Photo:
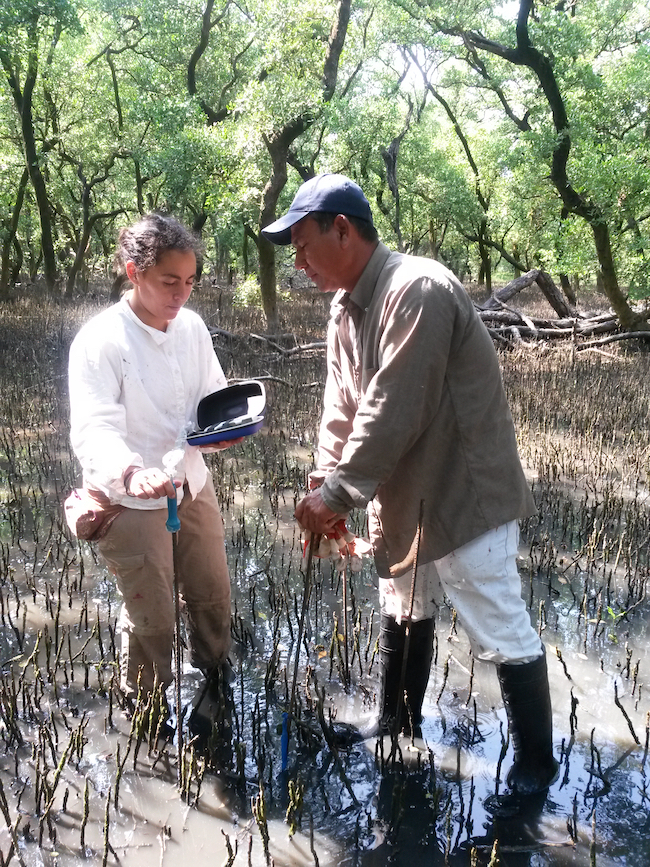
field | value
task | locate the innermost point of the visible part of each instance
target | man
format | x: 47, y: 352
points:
x: 416, y: 428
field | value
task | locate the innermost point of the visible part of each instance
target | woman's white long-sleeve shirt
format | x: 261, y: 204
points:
x: 134, y: 392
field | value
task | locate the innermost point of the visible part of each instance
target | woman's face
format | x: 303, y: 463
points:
x: 159, y: 292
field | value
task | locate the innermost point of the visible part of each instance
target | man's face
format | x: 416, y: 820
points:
x: 318, y: 254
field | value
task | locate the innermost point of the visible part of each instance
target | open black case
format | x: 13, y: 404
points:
x: 232, y: 412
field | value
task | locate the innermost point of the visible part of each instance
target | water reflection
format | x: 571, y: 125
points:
x: 356, y: 806
x: 79, y: 789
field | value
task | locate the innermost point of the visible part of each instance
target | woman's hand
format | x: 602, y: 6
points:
x: 219, y: 447
x: 151, y: 484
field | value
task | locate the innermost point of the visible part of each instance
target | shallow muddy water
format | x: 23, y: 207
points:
x: 78, y: 787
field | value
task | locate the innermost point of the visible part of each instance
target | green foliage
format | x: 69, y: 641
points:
x: 26, y: 16
x: 117, y: 129
x: 247, y: 293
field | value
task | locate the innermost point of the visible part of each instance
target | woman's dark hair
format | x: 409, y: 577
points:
x: 146, y: 241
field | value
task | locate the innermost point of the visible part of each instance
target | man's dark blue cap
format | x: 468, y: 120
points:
x: 329, y: 194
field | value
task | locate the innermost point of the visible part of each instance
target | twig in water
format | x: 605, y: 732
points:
x: 618, y: 704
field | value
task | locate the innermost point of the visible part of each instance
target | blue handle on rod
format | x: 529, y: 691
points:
x: 173, y: 523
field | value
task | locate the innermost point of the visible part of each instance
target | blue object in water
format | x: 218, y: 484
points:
x: 173, y: 523
x: 284, y: 741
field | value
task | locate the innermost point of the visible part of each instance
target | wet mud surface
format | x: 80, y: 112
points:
x: 81, y: 784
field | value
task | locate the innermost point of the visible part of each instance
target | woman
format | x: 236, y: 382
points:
x: 137, y: 372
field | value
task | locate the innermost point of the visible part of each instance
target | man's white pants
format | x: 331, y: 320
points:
x: 482, y: 583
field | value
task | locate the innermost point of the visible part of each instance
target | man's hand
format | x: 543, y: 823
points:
x: 312, y: 514
x: 151, y: 484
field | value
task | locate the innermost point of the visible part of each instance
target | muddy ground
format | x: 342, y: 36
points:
x: 80, y: 785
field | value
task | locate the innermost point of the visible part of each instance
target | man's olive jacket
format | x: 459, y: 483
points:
x: 415, y: 414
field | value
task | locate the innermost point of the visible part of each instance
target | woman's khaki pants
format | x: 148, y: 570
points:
x: 138, y: 551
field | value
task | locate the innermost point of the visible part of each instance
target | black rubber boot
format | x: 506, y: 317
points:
x: 149, y: 716
x: 530, y: 722
x: 392, y: 711
x: 405, y: 711
x: 210, y: 722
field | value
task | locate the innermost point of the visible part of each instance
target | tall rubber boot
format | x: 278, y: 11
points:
x: 210, y: 722
x: 392, y: 646
x: 530, y: 722
x: 418, y: 669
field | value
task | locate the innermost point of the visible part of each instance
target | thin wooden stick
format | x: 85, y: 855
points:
x: 345, y: 625
x: 178, y: 664
x: 314, y: 542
